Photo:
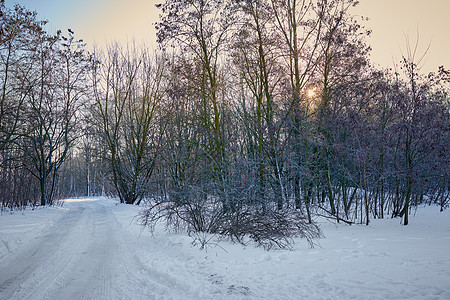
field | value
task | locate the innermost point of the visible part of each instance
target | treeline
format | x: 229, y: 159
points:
x: 253, y: 114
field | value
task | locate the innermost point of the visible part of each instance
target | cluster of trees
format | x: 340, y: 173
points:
x: 42, y: 86
x: 253, y: 115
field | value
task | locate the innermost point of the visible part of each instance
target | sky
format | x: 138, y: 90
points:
x: 100, y: 21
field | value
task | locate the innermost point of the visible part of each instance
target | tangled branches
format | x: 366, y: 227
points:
x: 268, y: 228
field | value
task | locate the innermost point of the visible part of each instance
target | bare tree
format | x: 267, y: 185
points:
x: 19, y: 32
x: 56, y: 91
x: 200, y: 29
x: 127, y: 87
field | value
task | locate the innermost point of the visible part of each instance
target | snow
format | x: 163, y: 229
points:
x: 94, y: 249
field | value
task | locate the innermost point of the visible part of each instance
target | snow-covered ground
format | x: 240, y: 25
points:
x: 93, y: 249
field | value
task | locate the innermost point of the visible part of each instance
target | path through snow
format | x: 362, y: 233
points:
x: 85, y: 254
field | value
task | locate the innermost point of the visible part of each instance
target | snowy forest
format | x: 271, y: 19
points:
x: 250, y: 119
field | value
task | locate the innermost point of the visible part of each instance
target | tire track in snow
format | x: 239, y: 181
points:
x: 24, y: 274
x: 90, y: 274
x: 72, y: 260
x: 88, y: 254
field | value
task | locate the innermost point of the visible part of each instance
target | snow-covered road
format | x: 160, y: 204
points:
x: 84, y: 254
x: 73, y: 259
x: 93, y: 249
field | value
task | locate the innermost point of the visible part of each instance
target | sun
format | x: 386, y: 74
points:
x: 311, y: 92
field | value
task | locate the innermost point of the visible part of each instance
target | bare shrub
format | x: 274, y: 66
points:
x: 269, y: 228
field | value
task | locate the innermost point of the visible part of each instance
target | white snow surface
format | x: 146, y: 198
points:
x: 94, y: 249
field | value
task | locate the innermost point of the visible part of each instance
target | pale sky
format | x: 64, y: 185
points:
x: 391, y: 20
x: 99, y: 21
